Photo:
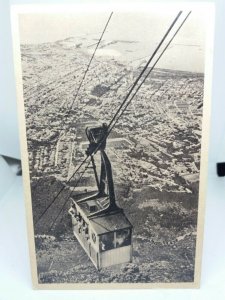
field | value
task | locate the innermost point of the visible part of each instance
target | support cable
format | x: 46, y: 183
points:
x: 149, y: 72
x: 67, y: 199
x: 145, y: 68
x: 85, y: 73
x: 60, y: 191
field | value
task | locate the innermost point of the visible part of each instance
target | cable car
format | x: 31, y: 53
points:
x: 99, y: 224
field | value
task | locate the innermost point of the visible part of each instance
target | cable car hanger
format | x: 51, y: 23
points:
x: 98, y: 145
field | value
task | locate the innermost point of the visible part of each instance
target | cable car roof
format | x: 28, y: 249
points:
x: 109, y: 223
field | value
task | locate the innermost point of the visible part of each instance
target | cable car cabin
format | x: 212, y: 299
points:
x: 99, y: 225
x: 106, y: 239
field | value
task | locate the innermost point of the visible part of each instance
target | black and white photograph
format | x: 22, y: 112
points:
x: 112, y: 119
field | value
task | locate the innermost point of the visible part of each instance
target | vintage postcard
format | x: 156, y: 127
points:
x: 114, y: 106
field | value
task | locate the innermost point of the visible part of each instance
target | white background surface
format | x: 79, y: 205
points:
x: 15, y: 279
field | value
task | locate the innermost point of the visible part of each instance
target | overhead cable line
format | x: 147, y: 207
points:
x: 85, y: 73
x: 145, y: 68
x: 60, y: 191
x: 67, y: 199
x: 149, y: 72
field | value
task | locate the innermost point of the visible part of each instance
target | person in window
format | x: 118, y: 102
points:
x: 78, y: 217
x: 86, y: 234
x: 107, y: 241
x: 102, y: 246
x: 93, y: 236
x: 79, y: 223
x: 122, y: 238
x: 85, y: 230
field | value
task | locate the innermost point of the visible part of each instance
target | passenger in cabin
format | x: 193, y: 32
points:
x: 85, y: 229
x: 86, y: 234
x: 72, y: 211
x: 122, y: 238
x: 93, y: 236
x: 102, y: 246
x: 78, y: 217
x: 73, y: 206
x: 107, y: 241
x: 119, y: 241
x: 79, y: 223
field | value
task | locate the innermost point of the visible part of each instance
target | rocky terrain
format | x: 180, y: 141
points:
x: 154, y: 150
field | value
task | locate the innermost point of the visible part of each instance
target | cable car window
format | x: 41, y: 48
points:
x: 123, y: 238
x: 106, y: 241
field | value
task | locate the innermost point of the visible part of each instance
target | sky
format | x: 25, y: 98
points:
x: 145, y: 28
